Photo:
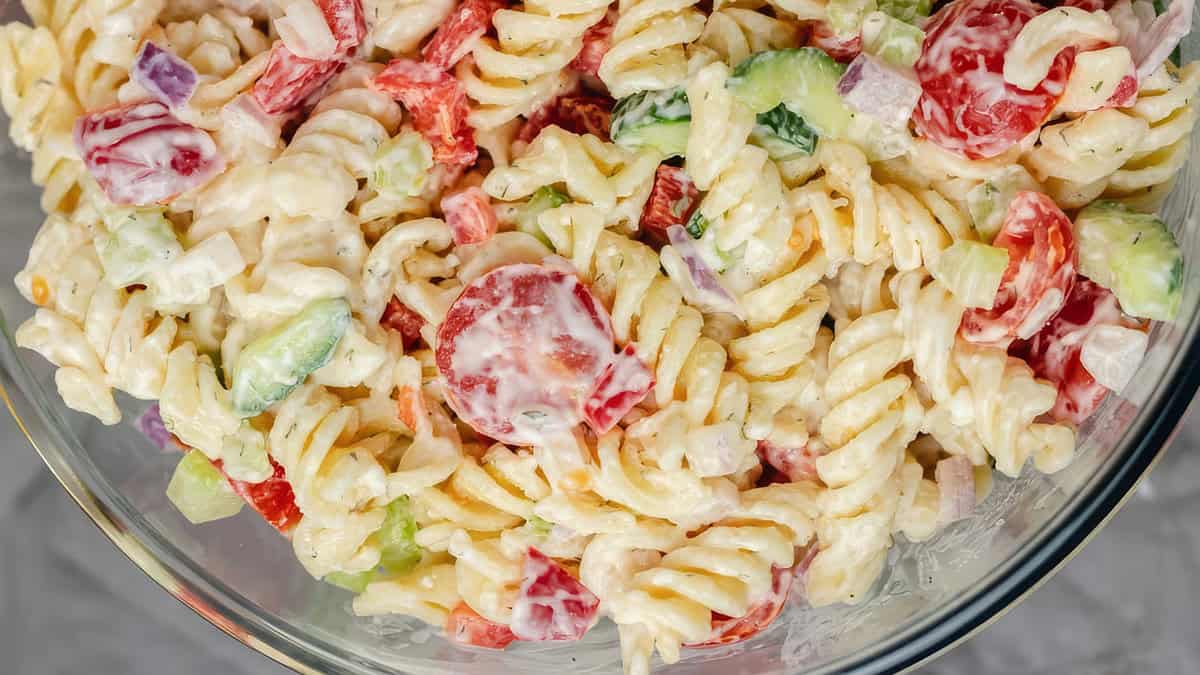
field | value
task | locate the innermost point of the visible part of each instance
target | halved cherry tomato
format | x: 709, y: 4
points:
x: 140, y: 154
x: 966, y: 107
x: 1041, y: 269
x: 727, y: 630
x: 273, y: 498
x: 438, y: 105
x: 470, y: 215
x: 793, y: 463
x: 466, y: 627
x: 672, y: 200
x: 289, y: 79
x: 398, y: 317
x: 346, y: 22
x: 459, y: 32
x: 843, y: 50
x: 622, y: 385
x: 1054, y: 353
x: 520, y: 350
x: 552, y: 604
x: 596, y: 42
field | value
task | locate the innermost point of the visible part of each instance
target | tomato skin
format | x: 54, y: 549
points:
x: 575, y: 113
x: 1055, y: 352
x: 289, y: 79
x: 596, y: 42
x: 459, y: 32
x: 1125, y: 94
x: 140, y: 154
x: 966, y: 107
x: 841, y: 49
x: 346, y: 21
x: 470, y: 215
x: 465, y: 626
x: 438, y: 105
x: 622, y: 385
x: 795, y: 464
x: 728, y: 630
x: 672, y: 200
x: 1039, y: 276
x: 398, y: 317
x: 520, y: 350
x: 273, y: 498
x: 552, y: 605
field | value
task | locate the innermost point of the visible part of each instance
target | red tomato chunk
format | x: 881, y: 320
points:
x: 1040, y: 272
x: 438, y: 105
x: 346, y: 22
x: 1055, y: 352
x: 672, y: 200
x: 289, y: 79
x: 596, y: 42
x: 577, y: 114
x: 727, y: 630
x: 966, y: 107
x: 466, y: 627
x: 470, y: 215
x: 843, y: 50
x: 520, y: 350
x: 457, y: 35
x: 552, y: 604
x: 622, y: 385
x: 140, y: 154
x: 272, y: 498
x: 794, y: 463
x: 399, y: 317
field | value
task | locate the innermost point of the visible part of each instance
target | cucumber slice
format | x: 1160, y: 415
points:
x: 401, y: 165
x: 891, y: 39
x: 544, y: 199
x: 697, y: 225
x: 987, y: 203
x: 200, y: 492
x: 846, y: 16
x: 655, y: 119
x: 139, y: 241
x: 972, y: 272
x: 783, y: 134
x: 397, y: 538
x: 804, y: 79
x: 270, y: 367
x: 1133, y: 255
x: 908, y: 11
x: 355, y: 583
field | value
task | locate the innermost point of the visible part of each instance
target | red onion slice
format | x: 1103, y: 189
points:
x: 872, y: 87
x: 705, y: 291
x: 1150, y: 38
x: 167, y: 77
x: 956, y: 485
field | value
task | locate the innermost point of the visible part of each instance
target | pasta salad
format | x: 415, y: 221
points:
x: 516, y: 316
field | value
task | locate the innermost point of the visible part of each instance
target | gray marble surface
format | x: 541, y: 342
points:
x: 72, y: 604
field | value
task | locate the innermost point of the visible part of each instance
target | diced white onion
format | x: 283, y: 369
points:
x: 1112, y: 354
x: 872, y: 87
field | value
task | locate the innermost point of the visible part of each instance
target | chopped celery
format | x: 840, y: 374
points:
x: 396, y: 538
x: 988, y: 202
x: 908, y: 11
x: 138, y: 242
x: 891, y: 39
x: 846, y: 16
x: 539, y: 526
x: 546, y: 198
x: 972, y: 271
x: 401, y: 165
x: 355, y: 583
x: 200, y: 492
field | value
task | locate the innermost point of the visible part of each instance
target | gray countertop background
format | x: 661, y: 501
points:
x: 70, y: 603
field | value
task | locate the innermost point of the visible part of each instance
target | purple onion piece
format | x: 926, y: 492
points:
x: 956, y: 485
x: 152, y: 427
x: 1151, y: 39
x: 708, y: 293
x: 167, y: 77
x: 874, y: 88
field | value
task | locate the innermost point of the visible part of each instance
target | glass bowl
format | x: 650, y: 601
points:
x: 241, y: 576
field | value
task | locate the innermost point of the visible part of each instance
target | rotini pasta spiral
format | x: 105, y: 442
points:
x: 341, y: 489
x: 615, y: 180
x: 648, y: 41
x: 194, y: 405
x: 318, y: 172
x: 402, y: 263
x: 488, y: 578
x: 524, y: 67
x: 91, y: 80
x: 42, y: 111
x: 429, y: 592
x: 732, y: 34
x: 493, y: 493
x: 726, y: 568
x: 399, y: 26
x: 119, y: 26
